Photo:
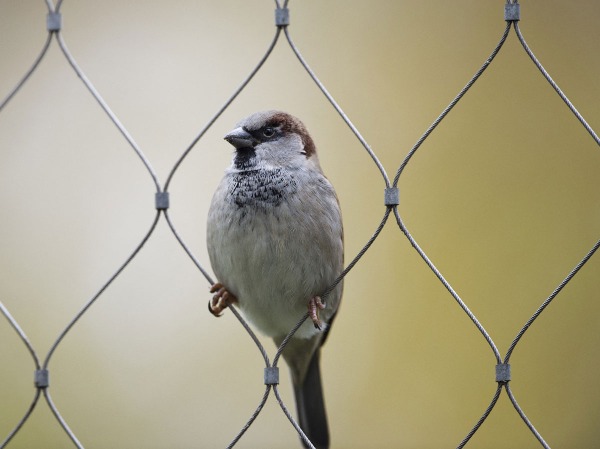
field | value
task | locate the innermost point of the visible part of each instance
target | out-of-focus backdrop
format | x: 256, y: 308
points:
x: 503, y: 197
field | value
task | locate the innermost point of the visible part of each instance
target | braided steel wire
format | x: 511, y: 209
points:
x: 162, y: 206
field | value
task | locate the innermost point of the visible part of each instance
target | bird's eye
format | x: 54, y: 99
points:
x: 268, y: 132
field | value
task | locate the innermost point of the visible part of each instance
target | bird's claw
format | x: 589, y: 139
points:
x: 220, y: 300
x: 314, y: 305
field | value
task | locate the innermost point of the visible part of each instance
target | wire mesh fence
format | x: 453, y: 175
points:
x: 390, y: 206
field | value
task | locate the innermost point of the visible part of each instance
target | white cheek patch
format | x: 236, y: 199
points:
x: 287, y: 151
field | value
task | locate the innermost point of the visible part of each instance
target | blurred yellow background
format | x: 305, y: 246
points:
x: 503, y: 197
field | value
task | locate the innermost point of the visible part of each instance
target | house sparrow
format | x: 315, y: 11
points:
x: 275, y: 242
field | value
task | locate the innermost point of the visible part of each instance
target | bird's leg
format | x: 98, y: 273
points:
x: 314, y: 305
x: 220, y: 300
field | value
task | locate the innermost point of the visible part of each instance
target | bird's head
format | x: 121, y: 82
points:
x: 272, y: 139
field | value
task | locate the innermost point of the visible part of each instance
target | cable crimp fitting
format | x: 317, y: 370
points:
x: 272, y: 375
x: 282, y: 17
x: 161, y: 200
x: 512, y: 12
x: 53, y: 21
x: 41, y: 378
x: 503, y: 373
x: 391, y: 196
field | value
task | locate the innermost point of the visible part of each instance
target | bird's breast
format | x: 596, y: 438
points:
x: 260, y: 189
x: 268, y: 243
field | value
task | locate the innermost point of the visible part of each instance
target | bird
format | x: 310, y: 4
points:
x: 275, y: 242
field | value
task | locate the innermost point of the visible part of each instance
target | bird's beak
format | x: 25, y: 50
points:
x: 240, y: 138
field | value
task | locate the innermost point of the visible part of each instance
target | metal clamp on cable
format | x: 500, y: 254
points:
x: 161, y: 200
x: 512, y: 12
x: 41, y: 378
x: 391, y: 196
x: 282, y: 17
x: 272, y: 375
x: 503, y: 373
x: 53, y: 21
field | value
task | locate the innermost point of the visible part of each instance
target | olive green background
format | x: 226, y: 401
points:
x: 503, y: 197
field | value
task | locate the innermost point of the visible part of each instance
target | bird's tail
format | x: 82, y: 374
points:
x: 311, y: 405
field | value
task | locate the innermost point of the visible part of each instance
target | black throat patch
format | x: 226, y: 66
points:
x: 244, y: 158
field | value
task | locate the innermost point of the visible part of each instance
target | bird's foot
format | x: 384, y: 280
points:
x: 220, y: 300
x: 314, y: 305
